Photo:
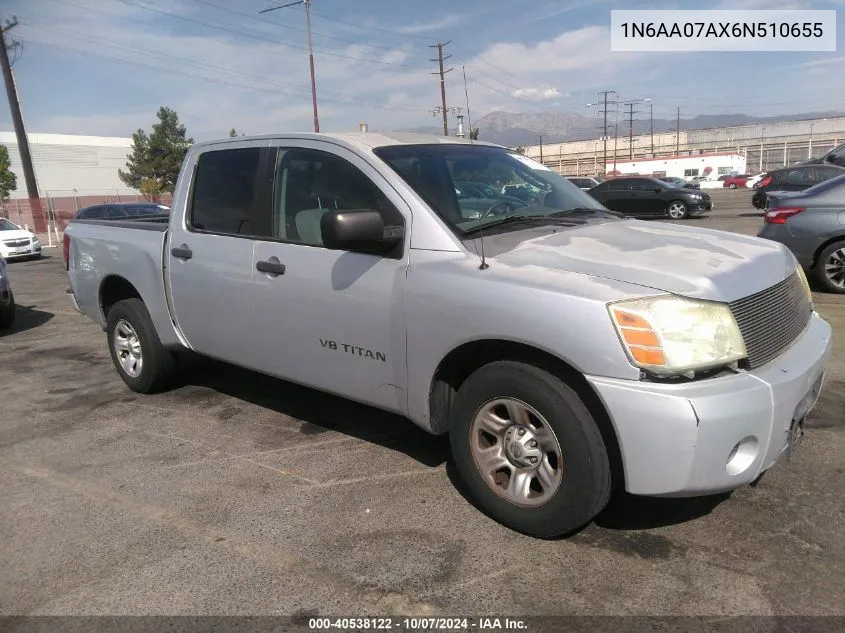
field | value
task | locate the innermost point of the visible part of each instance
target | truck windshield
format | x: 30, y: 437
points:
x: 510, y: 184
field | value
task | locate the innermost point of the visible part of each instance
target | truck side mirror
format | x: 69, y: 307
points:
x: 359, y: 230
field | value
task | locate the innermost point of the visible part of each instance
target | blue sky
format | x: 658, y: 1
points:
x: 103, y: 67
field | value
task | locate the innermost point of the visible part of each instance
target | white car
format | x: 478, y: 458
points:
x: 7, y: 299
x: 16, y: 243
x: 753, y: 181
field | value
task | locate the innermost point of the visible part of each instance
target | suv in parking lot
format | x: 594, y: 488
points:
x: 797, y: 178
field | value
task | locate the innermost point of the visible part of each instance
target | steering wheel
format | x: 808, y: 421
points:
x: 502, y: 207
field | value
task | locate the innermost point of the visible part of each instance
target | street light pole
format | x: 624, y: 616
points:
x: 307, y: 4
x: 651, y: 124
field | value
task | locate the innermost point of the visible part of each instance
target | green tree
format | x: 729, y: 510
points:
x: 233, y: 133
x: 158, y: 155
x: 8, y: 179
x: 473, y: 134
x: 150, y: 188
x: 520, y: 150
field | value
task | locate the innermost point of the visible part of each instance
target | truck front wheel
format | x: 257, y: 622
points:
x: 528, y: 450
x: 136, y: 351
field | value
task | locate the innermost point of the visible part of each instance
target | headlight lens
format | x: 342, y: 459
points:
x: 670, y: 335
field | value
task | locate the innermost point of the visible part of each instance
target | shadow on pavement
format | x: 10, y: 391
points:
x: 320, y: 412
x: 26, y: 318
x: 630, y: 512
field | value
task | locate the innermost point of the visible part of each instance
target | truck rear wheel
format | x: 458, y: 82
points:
x: 7, y: 311
x: 136, y: 351
x: 528, y: 450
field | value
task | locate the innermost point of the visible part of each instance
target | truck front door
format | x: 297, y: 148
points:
x: 330, y: 319
x: 209, y: 254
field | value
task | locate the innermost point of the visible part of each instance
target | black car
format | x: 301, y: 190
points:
x: 680, y: 182
x: 797, y: 178
x: 809, y: 223
x: 836, y: 156
x: 641, y: 196
x: 118, y: 210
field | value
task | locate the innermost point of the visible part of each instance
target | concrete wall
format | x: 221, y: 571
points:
x: 63, y: 163
x: 781, y: 144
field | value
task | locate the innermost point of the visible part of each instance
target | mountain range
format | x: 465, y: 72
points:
x: 513, y: 128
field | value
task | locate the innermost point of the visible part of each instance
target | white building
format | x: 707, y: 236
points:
x: 63, y: 163
x: 711, y: 165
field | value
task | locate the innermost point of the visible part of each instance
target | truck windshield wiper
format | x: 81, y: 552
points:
x: 506, y: 220
x: 573, y: 210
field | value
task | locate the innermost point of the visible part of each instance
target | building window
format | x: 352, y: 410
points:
x: 690, y: 172
x: 724, y: 171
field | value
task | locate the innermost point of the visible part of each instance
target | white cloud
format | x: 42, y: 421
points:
x: 449, y: 20
x: 537, y: 94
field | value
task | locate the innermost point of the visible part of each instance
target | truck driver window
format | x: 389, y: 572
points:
x: 311, y: 182
x: 224, y: 193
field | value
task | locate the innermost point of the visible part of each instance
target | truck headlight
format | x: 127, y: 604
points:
x: 671, y: 335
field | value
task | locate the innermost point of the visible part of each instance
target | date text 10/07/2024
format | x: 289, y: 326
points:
x: 417, y: 624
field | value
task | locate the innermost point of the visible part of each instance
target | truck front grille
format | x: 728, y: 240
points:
x: 16, y: 243
x: 772, y: 319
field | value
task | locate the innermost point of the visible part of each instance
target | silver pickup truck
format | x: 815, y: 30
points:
x: 567, y: 350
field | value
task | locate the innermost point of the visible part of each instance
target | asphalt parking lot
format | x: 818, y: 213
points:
x: 238, y: 494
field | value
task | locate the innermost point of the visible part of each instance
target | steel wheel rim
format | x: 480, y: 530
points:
x: 676, y: 210
x: 834, y: 268
x: 127, y: 348
x: 506, y: 434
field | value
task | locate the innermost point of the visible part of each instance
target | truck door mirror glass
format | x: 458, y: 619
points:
x: 359, y: 230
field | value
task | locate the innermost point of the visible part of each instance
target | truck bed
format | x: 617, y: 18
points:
x: 107, y: 256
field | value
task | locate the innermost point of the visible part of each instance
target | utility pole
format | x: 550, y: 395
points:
x: 440, y: 59
x: 631, y: 111
x: 678, y: 132
x: 651, y: 125
x: 307, y: 4
x: 17, y: 121
x: 604, y: 102
x: 541, y: 149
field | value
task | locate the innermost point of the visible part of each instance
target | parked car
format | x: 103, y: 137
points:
x: 121, y: 210
x: 810, y: 223
x: 7, y: 299
x: 564, y: 348
x: 582, y: 182
x: 732, y: 182
x: 640, y: 196
x: 680, y: 183
x: 17, y: 242
x: 751, y: 183
x: 796, y: 178
x: 836, y: 156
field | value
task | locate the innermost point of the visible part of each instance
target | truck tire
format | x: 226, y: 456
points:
x: 7, y: 313
x: 136, y: 351
x: 528, y: 450
x: 829, y: 270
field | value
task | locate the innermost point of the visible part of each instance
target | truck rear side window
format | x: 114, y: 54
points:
x: 225, y: 190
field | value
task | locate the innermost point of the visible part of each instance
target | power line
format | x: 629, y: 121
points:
x: 293, y: 28
x: 253, y: 35
x: 182, y: 61
x: 375, y: 28
x: 170, y: 71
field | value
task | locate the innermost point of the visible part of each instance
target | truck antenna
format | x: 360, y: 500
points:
x: 484, y: 264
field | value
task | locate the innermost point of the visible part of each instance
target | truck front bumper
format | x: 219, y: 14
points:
x: 716, y: 434
x: 71, y: 297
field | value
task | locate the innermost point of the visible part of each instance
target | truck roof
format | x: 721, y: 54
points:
x: 358, y: 140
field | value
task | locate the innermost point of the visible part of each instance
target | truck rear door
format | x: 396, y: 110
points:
x: 210, y: 263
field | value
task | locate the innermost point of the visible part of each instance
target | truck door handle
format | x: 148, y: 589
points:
x: 182, y: 252
x: 273, y: 267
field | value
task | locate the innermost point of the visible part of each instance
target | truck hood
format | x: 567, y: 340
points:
x: 688, y: 261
